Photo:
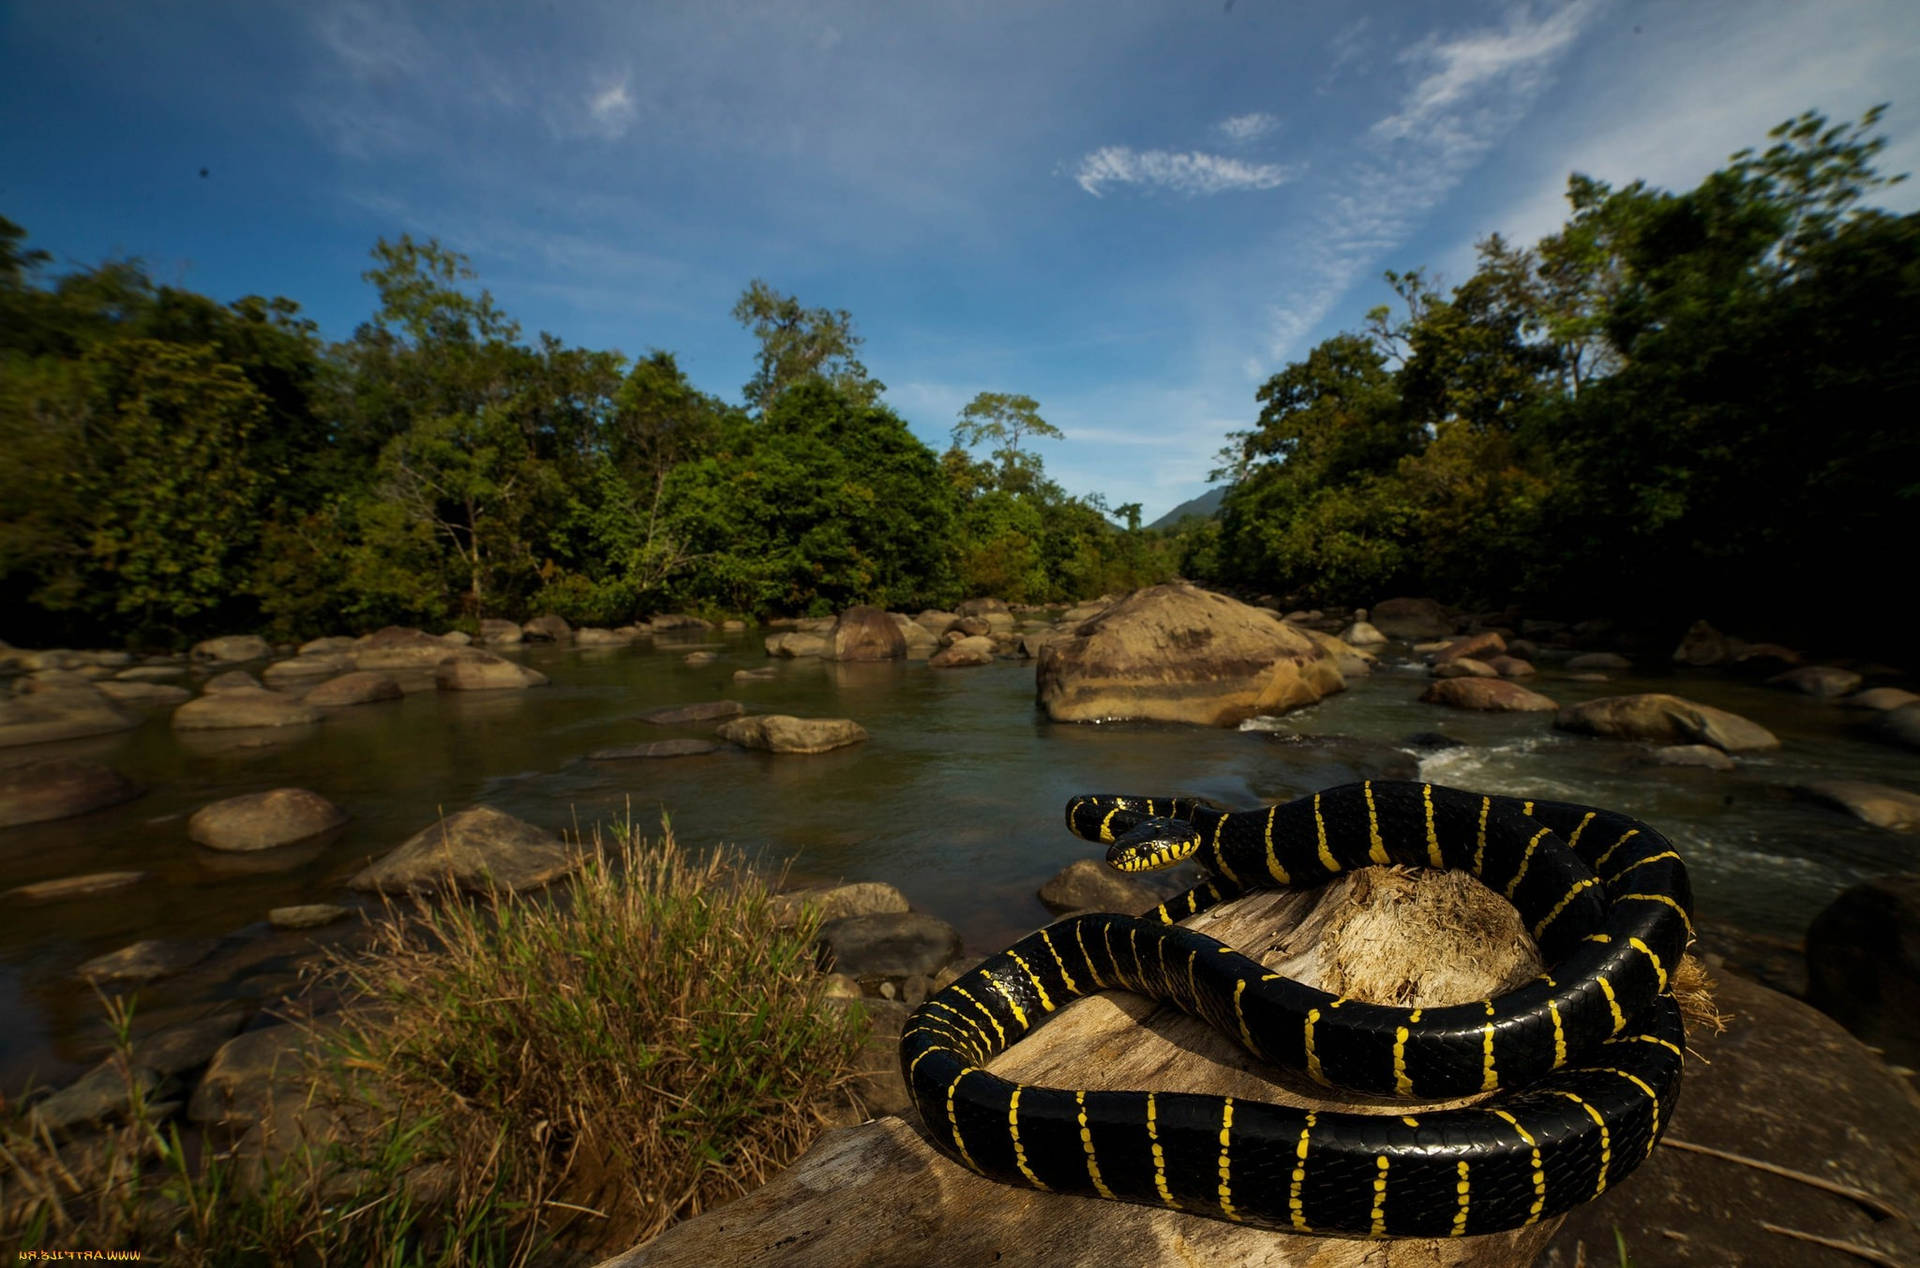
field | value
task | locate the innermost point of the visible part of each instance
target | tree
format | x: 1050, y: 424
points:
x: 798, y: 344
x: 1000, y: 419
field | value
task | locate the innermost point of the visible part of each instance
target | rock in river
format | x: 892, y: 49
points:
x: 145, y: 960
x: 399, y: 647
x: 59, y: 788
x: 782, y: 733
x: 974, y: 649
x: 1896, y: 726
x: 149, y: 694
x: 243, y: 707
x: 894, y: 944
x: 306, y: 915
x: 1086, y: 885
x: 67, y: 887
x: 231, y: 680
x: 263, y: 820
x: 1177, y: 653
x: 656, y: 748
x: 703, y: 711
x: 362, y: 686
x: 1863, y: 964
x: 866, y: 633
x: 475, y: 670
x: 793, y: 644
x: 1664, y: 719
x: 549, y: 628
x: 1493, y: 694
x: 1894, y: 809
x: 1824, y: 682
x: 833, y: 902
x: 40, y: 717
x: 472, y: 848
x: 232, y: 648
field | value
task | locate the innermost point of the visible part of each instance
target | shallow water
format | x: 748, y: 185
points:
x: 956, y: 799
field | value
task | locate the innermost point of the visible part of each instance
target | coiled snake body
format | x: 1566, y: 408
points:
x: 1586, y: 1058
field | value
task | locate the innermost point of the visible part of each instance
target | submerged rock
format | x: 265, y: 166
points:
x: 1824, y: 682
x: 782, y: 733
x: 703, y: 711
x: 243, y: 707
x: 59, y: 788
x: 657, y: 748
x: 263, y: 820
x: 144, y: 961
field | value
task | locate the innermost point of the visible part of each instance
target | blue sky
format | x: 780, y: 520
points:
x: 1134, y: 212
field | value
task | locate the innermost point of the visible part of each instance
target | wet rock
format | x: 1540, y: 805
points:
x: 1756, y: 659
x: 70, y: 887
x: 306, y: 915
x: 456, y: 638
x: 473, y: 849
x: 1784, y: 1085
x: 782, y: 733
x: 1704, y: 755
x: 362, y: 686
x: 1472, y: 646
x: 144, y: 694
x: 499, y: 633
x: 41, y: 717
x: 892, y: 944
x: 1701, y: 645
x: 399, y: 647
x: 1894, y: 809
x: 704, y: 711
x: 151, y: 673
x: 1599, y: 660
x: 475, y: 670
x: 1899, y: 726
x: 305, y: 668
x: 1880, y: 699
x: 1177, y: 653
x: 1029, y: 643
x: 679, y: 621
x: 1351, y: 661
x: 1087, y: 885
x: 548, y: 629
x: 657, y: 748
x: 792, y: 644
x: 701, y: 658
x: 144, y: 961
x: 836, y: 902
x: 766, y: 674
x: 1665, y: 719
x: 591, y: 637
x: 59, y: 788
x: 243, y: 707
x: 231, y: 680
x: 1490, y: 694
x: 1432, y: 741
x: 1411, y: 618
x: 1464, y: 667
x: 1863, y: 964
x: 1823, y: 682
x: 263, y: 820
x: 866, y: 633
x: 1363, y: 634
x: 973, y: 649
x: 232, y: 648
x: 323, y: 646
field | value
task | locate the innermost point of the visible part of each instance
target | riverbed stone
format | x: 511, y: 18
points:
x: 42, y: 717
x: 681, y: 621
x: 232, y: 648
x: 835, y: 902
x: 1786, y: 1086
x: 499, y: 633
x: 472, y: 848
x: 1088, y: 885
x: 1471, y: 646
x: 1665, y: 719
x: 145, y: 961
x: 471, y: 669
x: 65, y: 888
x: 59, y: 788
x: 1411, y: 618
x: 1495, y: 695
x: 305, y: 668
x: 863, y: 632
x: 548, y: 629
x: 655, y: 748
x: 1511, y: 666
x: 969, y: 650
x: 591, y: 636
x: 783, y: 733
x: 1879, y: 805
x: 702, y: 711
x: 306, y: 915
x: 888, y: 944
x: 1823, y: 682
x: 231, y: 680
x: 1759, y: 659
x: 935, y: 621
x: 250, y: 707
x: 102, y: 1093
x: 329, y: 644
x: 1880, y: 699
x: 1701, y: 645
x: 1463, y: 667
x: 152, y: 695
x: 700, y: 658
x: 1701, y: 755
x: 263, y: 820
x: 766, y: 673
x: 1603, y: 661
x: 400, y: 647
x: 1177, y: 653
x: 1899, y: 726
x: 248, y: 1071
x: 1352, y: 661
x: 362, y: 686
x: 1863, y: 964
x: 1363, y: 634
x: 793, y: 644
x: 151, y: 673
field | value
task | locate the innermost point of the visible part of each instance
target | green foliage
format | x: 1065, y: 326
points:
x: 1000, y: 419
x: 800, y: 344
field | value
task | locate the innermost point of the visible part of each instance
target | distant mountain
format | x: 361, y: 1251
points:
x: 1206, y: 506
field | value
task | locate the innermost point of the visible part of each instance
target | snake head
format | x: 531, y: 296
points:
x: 1151, y: 844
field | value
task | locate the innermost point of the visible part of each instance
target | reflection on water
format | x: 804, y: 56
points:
x: 956, y: 799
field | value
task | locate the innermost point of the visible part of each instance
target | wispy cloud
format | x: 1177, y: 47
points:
x: 1193, y: 172
x: 1348, y: 46
x: 1242, y: 129
x: 1515, y: 57
x: 612, y: 110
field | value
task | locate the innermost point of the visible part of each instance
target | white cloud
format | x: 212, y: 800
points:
x: 1244, y: 128
x: 612, y: 109
x: 1346, y: 49
x: 1193, y: 172
x: 1463, y: 66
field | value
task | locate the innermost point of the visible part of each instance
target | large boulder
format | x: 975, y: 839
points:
x: 1471, y: 647
x: 781, y: 733
x: 1863, y: 964
x: 262, y: 820
x: 500, y: 633
x: 1880, y: 699
x: 548, y: 629
x: 888, y: 944
x: 1411, y: 619
x: 793, y: 644
x: 1899, y: 725
x: 1702, y: 645
x: 1790, y: 1090
x: 1363, y: 634
x: 232, y: 648
x: 243, y: 707
x: 1824, y: 682
x: 833, y: 902
x: 1659, y: 718
x: 362, y: 686
x: 59, y: 788
x: 41, y: 717
x: 1495, y: 695
x: 305, y: 668
x: 972, y: 649
x: 1177, y: 653
x: 473, y: 849
x: 398, y: 647
x: 866, y: 633
x: 471, y: 669
x: 1894, y: 809
x: 1087, y: 885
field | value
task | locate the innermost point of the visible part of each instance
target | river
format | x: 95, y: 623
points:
x: 956, y: 799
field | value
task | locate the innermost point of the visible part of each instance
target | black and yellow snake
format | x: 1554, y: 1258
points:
x: 1586, y: 1059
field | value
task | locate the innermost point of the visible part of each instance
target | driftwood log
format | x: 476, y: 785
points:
x: 879, y: 1194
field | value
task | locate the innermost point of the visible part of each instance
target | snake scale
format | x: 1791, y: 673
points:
x: 1584, y: 1060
